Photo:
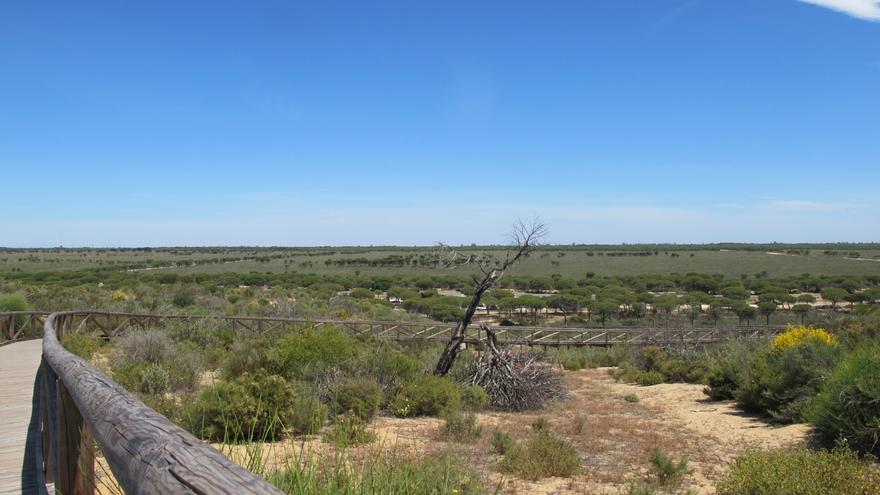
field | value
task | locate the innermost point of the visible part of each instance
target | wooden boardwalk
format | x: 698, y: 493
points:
x: 18, y: 369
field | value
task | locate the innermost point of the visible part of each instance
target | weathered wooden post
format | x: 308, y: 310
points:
x: 76, y: 459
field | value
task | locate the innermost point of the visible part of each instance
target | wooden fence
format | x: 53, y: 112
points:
x: 20, y: 325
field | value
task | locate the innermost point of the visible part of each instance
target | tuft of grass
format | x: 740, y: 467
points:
x: 544, y: 455
x: 348, y: 431
x: 386, y: 474
x: 578, y: 423
x: 540, y: 424
x: 631, y: 398
x: 462, y: 427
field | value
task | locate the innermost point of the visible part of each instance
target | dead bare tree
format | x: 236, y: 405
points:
x: 523, y: 238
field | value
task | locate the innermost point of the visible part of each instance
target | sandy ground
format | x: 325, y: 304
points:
x: 613, y: 437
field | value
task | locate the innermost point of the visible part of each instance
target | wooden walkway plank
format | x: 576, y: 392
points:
x: 18, y: 369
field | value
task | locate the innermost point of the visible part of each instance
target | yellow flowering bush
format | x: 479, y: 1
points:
x: 120, y: 295
x: 796, y: 336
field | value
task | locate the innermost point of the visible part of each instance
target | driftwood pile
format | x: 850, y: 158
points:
x: 515, y: 379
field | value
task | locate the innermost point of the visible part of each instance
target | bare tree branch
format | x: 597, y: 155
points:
x: 524, y: 238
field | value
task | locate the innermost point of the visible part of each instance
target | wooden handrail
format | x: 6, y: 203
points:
x: 145, y: 451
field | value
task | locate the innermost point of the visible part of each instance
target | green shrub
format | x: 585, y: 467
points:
x: 461, y: 427
x: 307, y: 415
x: 544, y: 455
x: 246, y: 355
x: 153, y: 379
x: 254, y: 407
x: 348, y: 431
x: 389, y: 367
x: 648, y: 378
x: 625, y: 372
x: 798, y: 471
x: 502, y: 442
x: 649, y: 358
x: 360, y: 397
x: 185, y: 368
x: 729, y: 370
x: 15, y: 301
x: 83, y: 345
x: 428, y: 395
x: 569, y: 359
x: 680, y: 369
x: 307, y: 353
x: 782, y: 383
x: 474, y: 398
x: 848, y: 406
x: 667, y: 472
x: 631, y: 398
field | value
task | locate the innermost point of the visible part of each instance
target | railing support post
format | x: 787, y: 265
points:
x: 76, y: 459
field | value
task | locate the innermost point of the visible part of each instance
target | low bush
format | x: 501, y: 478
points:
x: 667, y: 472
x: 185, y: 368
x: 389, y: 367
x: 648, y: 378
x: 631, y: 398
x: 14, y: 301
x: 798, y: 471
x: 544, y: 455
x: 782, y: 383
x: 145, y: 346
x: 254, y: 407
x: 348, y: 430
x: 83, y: 345
x: 428, y: 395
x: 502, y: 442
x: 360, y: 397
x: 307, y: 353
x: 800, y: 335
x: 729, y: 370
x: 246, y: 355
x: 461, y: 427
x: 307, y: 414
x: 474, y: 398
x: 848, y: 407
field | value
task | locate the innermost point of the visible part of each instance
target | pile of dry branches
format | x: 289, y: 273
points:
x: 515, y: 379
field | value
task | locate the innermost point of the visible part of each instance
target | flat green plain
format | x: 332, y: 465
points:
x: 568, y: 261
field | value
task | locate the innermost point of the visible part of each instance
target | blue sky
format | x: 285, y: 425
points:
x: 325, y: 123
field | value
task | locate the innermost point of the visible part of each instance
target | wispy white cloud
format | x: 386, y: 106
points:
x: 863, y: 9
x: 810, y: 206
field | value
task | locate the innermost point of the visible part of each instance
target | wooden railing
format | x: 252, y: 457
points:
x: 147, y: 454
x: 19, y: 325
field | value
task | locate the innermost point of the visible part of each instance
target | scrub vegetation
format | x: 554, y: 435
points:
x: 348, y: 401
